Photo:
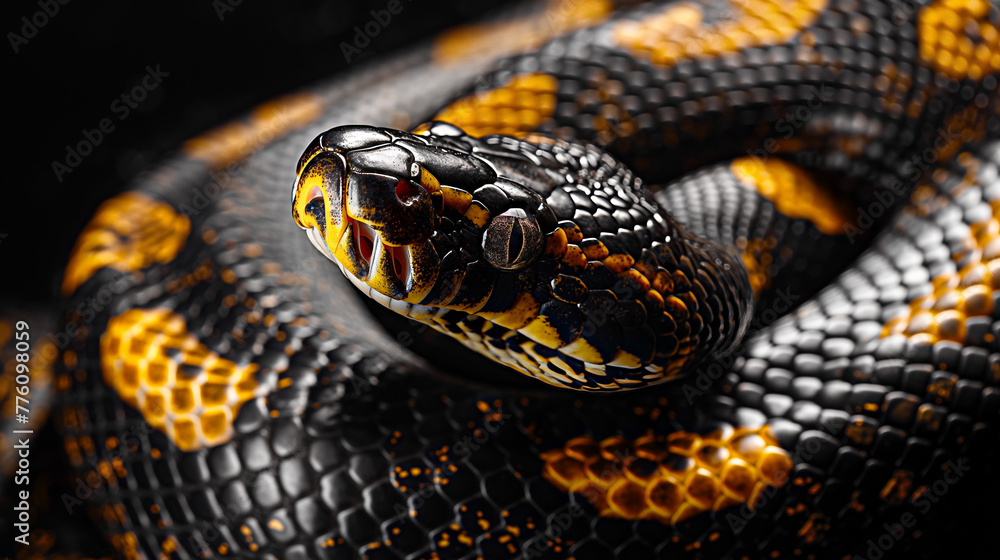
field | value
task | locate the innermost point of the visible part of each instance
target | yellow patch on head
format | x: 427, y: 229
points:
x: 515, y: 108
x: 524, y: 311
x: 542, y: 331
x: 792, y: 192
x: 182, y: 388
x: 583, y: 350
x: 129, y: 232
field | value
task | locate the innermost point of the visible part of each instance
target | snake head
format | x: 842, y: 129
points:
x: 546, y: 256
x: 417, y: 218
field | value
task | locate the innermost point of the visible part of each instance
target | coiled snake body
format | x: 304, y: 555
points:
x: 236, y: 398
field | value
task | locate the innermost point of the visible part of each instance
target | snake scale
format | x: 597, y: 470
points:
x: 695, y: 279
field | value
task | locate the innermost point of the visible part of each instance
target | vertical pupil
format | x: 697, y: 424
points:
x: 515, y: 243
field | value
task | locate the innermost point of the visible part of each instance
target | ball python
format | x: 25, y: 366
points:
x: 699, y: 279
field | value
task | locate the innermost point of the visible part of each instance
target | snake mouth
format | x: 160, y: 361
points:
x: 378, y: 268
x: 370, y: 248
x: 378, y: 264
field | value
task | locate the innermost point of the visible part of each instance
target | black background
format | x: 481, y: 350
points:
x: 222, y: 60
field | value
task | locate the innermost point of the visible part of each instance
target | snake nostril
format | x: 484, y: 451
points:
x: 407, y: 192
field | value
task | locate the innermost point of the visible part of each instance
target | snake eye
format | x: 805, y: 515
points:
x: 407, y: 192
x: 512, y: 240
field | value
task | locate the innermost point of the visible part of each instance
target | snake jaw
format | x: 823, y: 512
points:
x: 388, y: 266
x: 403, y: 273
x: 316, y: 238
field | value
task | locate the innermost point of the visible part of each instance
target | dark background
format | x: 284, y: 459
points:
x: 223, y: 57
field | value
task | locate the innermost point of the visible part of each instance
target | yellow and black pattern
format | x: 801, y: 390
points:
x: 232, y: 398
x: 116, y: 238
x: 693, y: 474
x: 573, y: 278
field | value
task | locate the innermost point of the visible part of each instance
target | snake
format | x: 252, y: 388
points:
x: 685, y: 279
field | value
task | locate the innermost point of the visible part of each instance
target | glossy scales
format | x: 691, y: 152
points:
x: 516, y: 108
x: 871, y: 422
x: 673, y: 478
x: 660, y: 301
x: 181, y: 387
x: 115, y: 240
